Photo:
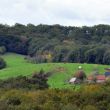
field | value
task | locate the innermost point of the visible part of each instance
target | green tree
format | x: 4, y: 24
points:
x: 2, y: 49
x: 2, y: 63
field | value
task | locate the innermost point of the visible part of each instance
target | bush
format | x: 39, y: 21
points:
x: 13, y: 101
x: 3, y: 105
x: 40, y: 79
x: 36, y: 59
x: 69, y: 107
x: 2, y: 63
x: 37, y: 81
x: 80, y: 74
x: 2, y: 50
x: 90, y: 107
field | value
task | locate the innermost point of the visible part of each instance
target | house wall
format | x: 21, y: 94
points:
x: 100, y: 81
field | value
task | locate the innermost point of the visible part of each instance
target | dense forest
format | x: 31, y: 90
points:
x: 55, y: 43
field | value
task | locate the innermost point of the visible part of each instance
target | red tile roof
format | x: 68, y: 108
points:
x: 107, y: 69
x: 98, y: 77
x: 90, y: 78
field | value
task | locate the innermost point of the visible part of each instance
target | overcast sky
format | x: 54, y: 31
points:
x: 64, y: 12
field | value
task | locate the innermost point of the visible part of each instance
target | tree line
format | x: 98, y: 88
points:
x: 55, y: 43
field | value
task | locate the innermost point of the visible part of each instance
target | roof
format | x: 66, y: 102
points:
x: 90, y: 77
x: 107, y: 74
x: 98, y: 77
x: 107, y: 68
x: 72, y: 80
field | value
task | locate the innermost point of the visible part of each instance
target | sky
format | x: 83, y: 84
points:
x: 63, y: 12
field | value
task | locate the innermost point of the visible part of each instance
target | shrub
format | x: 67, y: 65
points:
x: 80, y: 74
x: 37, y: 81
x: 3, y: 105
x: 36, y: 59
x: 13, y: 101
x: 2, y: 50
x: 40, y: 79
x: 90, y: 107
x: 70, y: 107
x: 2, y: 63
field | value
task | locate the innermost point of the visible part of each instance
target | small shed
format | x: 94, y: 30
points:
x: 101, y: 78
x: 72, y: 80
x: 97, y: 79
x: 107, y: 74
x: 91, y: 79
x: 107, y: 69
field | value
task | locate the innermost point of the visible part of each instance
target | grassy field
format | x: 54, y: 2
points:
x: 16, y: 66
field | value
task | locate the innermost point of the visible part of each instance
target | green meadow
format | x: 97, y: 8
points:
x: 62, y: 72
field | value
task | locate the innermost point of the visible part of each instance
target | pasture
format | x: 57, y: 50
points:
x: 62, y: 72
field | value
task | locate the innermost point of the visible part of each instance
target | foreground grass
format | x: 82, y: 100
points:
x: 16, y: 66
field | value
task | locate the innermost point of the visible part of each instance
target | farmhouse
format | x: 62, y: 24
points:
x: 107, y: 73
x: 91, y: 79
x: 72, y: 80
x: 80, y: 77
x: 75, y: 80
x: 100, y: 78
x: 97, y: 79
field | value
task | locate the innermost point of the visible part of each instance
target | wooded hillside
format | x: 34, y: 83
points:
x: 57, y: 43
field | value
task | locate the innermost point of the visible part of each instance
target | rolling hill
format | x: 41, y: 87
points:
x: 62, y: 72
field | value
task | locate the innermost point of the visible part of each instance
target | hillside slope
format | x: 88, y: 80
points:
x: 16, y: 66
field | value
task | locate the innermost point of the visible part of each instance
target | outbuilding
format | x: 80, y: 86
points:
x: 107, y: 73
x: 72, y: 80
x: 100, y: 78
